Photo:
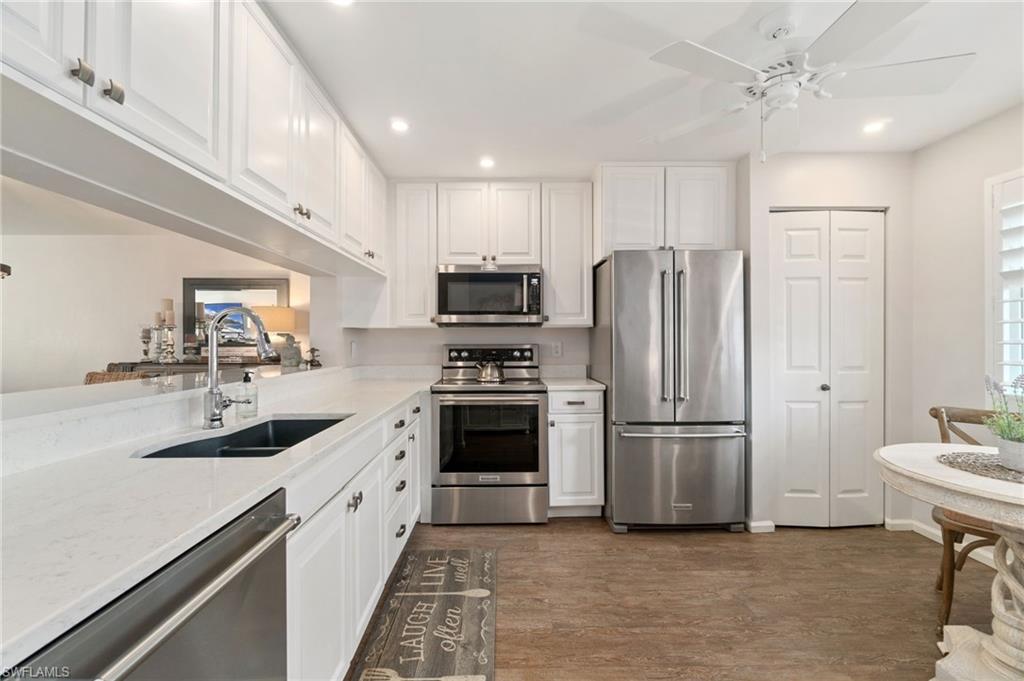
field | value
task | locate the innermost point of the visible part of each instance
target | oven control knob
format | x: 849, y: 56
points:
x: 526, y: 354
x: 465, y: 354
x: 516, y: 354
x: 453, y: 354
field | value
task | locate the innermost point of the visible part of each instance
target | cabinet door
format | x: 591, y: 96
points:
x: 568, y: 278
x: 353, y: 195
x: 462, y: 223
x: 633, y: 208
x: 514, y: 223
x: 696, y: 207
x: 172, y: 60
x: 365, y: 554
x: 320, y: 640
x: 44, y: 40
x: 317, y: 167
x: 415, y: 448
x: 376, y: 215
x: 414, y: 276
x: 576, y: 457
x: 263, y: 121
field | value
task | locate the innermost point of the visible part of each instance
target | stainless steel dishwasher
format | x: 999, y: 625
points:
x: 215, y: 613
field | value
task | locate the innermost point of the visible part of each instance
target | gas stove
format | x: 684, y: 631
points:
x: 459, y: 373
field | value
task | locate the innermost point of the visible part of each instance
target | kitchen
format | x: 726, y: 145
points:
x: 578, y: 310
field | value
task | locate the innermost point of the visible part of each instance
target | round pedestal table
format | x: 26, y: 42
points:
x: 914, y: 469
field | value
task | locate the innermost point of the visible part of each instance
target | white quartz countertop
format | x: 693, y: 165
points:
x: 567, y: 384
x: 78, y: 533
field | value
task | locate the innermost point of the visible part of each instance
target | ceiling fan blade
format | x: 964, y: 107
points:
x: 701, y: 61
x: 694, y: 125
x: 921, y: 77
x: 602, y: 21
x: 859, y: 25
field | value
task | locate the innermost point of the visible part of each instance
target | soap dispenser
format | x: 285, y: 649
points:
x: 248, y: 396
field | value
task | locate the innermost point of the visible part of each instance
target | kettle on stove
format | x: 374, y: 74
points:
x: 490, y: 371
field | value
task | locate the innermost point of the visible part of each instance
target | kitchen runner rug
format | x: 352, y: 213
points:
x: 436, y: 621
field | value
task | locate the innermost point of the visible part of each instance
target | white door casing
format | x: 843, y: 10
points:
x: 515, y: 224
x: 44, y: 40
x: 567, y: 233
x: 172, y: 60
x: 462, y: 223
x: 827, y: 365
x: 857, y: 366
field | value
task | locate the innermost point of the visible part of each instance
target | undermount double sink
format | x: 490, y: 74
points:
x: 263, y: 439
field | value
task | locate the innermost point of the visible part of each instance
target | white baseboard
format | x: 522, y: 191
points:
x: 575, y: 512
x: 982, y: 555
x: 760, y: 526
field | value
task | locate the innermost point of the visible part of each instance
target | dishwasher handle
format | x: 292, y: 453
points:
x: 137, y: 654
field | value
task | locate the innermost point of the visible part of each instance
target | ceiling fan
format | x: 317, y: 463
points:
x: 818, y: 70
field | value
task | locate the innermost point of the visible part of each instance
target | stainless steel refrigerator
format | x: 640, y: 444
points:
x: 668, y: 341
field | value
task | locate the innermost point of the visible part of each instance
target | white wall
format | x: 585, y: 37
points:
x: 423, y: 346
x: 826, y: 181
x: 85, y: 281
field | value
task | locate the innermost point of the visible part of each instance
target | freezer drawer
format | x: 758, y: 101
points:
x: 678, y: 475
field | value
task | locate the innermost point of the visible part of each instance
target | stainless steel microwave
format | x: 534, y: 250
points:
x: 503, y: 296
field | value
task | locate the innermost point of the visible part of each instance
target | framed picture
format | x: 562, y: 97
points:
x: 217, y: 295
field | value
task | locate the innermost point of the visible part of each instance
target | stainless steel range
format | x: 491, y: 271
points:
x: 490, y: 450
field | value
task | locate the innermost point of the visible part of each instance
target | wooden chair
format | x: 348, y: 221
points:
x: 956, y: 525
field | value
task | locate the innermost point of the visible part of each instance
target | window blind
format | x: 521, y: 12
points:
x: 1009, y: 332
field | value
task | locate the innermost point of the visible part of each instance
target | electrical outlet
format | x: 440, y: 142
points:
x: 556, y: 349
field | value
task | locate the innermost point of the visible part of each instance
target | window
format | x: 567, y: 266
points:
x: 1005, y: 213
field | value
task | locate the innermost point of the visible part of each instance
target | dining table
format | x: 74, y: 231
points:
x: 968, y: 479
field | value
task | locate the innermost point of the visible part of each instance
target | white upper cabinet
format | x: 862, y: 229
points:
x: 263, y: 116
x: 171, y: 60
x: 567, y: 230
x: 44, y: 40
x: 414, y: 278
x: 462, y: 218
x: 684, y: 206
x: 514, y: 225
x: 633, y: 207
x: 376, y: 216
x: 353, y: 196
x: 317, y: 185
x: 697, y: 208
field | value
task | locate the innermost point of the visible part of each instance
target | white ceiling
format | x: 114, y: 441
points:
x: 551, y: 89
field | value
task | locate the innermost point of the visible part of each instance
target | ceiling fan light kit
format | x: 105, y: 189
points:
x: 777, y: 86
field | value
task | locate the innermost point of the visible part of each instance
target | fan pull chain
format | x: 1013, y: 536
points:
x: 764, y: 154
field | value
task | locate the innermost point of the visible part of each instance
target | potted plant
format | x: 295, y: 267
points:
x: 1007, y: 422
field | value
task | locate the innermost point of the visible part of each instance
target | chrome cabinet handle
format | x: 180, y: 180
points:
x: 137, y: 654
x: 412, y: 437
x: 84, y: 72
x: 366, y: 253
x: 400, y: 455
x: 826, y: 387
x: 401, y: 532
x: 575, y: 403
x: 400, y: 424
x: 415, y: 410
x: 299, y: 210
x: 400, y: 487
x: 115, y: 91
x: 308, y: 214
x: 356, y: 501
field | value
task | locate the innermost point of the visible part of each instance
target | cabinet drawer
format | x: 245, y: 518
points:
x: 397, y: 454
x: 398, y: 486
x: 395, y: 421
x: 397, y: 529
x: 574, y: 402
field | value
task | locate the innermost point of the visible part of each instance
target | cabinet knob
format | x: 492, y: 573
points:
x: 300, y: 210
x: 401, y: 532
x: 825, y: 387
x: 551, y: 423
x: 308, y: 214
x: 400, y: 455
x: 400, y: 486
x: 366, y: 253
x: 84, y: 72
x: 115, y: 91
x: 494, y: 258
x: 415, y: 410
x: 400, y: 424
x: 412, y: 437
x: 484, y: 258
x: 355, y: 501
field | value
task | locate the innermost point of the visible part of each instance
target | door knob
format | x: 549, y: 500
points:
x: 826, y: 387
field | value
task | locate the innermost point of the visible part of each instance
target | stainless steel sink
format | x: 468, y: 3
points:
x: 263, y: 439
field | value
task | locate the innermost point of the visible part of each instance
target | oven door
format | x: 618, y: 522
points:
x: 467, y: 296
x: 490, y: 439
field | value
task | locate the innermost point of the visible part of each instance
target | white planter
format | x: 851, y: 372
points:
x: 1011, y: 454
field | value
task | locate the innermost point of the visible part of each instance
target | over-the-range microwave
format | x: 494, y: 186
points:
x: 505, y: 295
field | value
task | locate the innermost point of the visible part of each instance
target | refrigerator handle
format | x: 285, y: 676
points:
x: 683, y: 392
x: 666, y: 368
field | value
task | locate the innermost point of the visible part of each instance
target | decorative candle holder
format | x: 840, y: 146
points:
x: 165, y: 336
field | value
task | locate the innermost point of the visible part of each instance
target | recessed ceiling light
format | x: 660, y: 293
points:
x: 486, y: 162
x: 399, y: 125
x: 875, y: 127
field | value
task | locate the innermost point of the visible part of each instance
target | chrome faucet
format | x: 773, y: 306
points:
x: 214, y: 402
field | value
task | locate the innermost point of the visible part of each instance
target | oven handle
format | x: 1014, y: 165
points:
x: 526, y: 294
x: 137, y: 654
x: 488, y: 400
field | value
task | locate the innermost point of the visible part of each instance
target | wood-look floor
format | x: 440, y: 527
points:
x: 578, y: 603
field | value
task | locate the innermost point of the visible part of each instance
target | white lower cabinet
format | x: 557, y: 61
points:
x: 575, y: 448
x: 340, y: 557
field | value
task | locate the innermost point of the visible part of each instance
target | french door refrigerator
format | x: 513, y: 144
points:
x: 668, y: 341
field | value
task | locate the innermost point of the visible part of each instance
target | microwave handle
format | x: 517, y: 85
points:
x: 526, y: 294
